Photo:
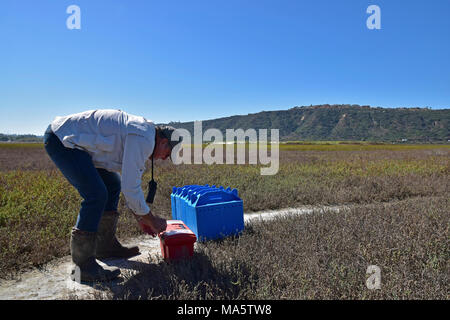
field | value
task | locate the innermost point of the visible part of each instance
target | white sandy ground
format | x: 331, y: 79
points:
x: 52, y: 281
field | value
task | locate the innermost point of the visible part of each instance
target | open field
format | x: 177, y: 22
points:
x: 38, y: 208
x: 358, y: 147
x: 32, y: 156
x: 312, y: 256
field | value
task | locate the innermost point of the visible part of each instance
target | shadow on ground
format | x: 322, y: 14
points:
x: 195, y: 278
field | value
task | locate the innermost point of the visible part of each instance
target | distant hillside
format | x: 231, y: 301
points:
x: 342, y: 122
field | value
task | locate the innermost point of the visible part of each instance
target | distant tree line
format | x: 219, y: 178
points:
x: 20, y: 138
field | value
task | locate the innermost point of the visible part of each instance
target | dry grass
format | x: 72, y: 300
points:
x: 314, y: 256
x: 38, y: 206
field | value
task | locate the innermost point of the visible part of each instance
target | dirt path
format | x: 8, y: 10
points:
x: 53, y: 282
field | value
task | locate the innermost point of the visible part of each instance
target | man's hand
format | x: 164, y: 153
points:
x: 151, y: 224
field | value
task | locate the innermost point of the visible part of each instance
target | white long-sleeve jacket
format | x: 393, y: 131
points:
x: 117, y: 142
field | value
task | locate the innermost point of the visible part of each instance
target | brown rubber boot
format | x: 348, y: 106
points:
x: 107, y: 244
x: 82, y: 247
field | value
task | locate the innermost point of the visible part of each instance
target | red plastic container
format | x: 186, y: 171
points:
x: 177, y: 241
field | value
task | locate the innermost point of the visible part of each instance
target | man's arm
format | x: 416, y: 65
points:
x: 136, y: 152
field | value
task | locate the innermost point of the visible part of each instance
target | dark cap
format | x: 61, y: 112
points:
x: 166, y: 132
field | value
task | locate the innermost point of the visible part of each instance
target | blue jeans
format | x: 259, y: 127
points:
x: 99, y: 188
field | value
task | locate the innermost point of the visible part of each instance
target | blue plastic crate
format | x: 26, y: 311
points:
x: 180, y: 200
x: 174, y: 203
x: 210, y: 212
x: 177, y: 197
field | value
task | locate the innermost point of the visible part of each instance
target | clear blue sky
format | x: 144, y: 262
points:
x: 193, y: 60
